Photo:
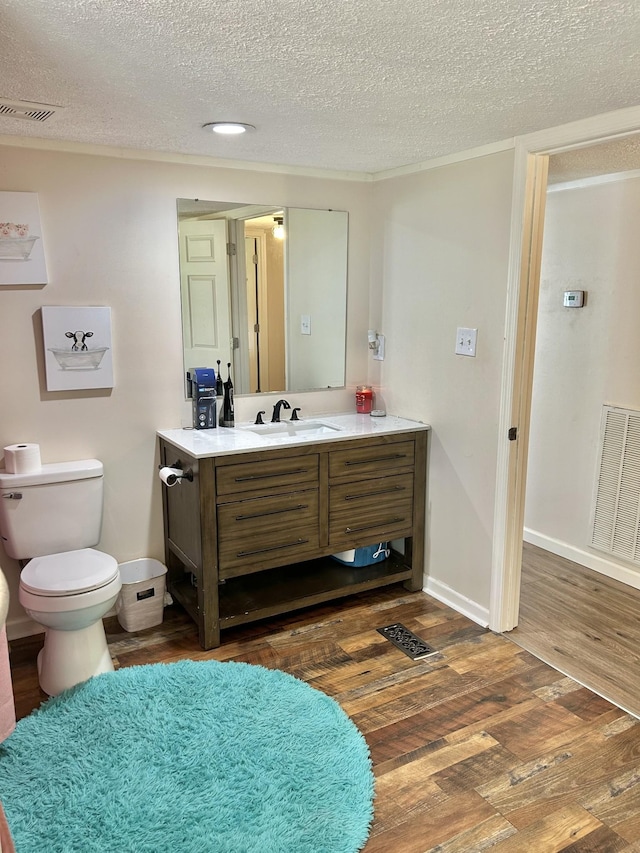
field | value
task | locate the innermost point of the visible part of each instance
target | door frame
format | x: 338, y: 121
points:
x: 527, y: 219
x: 262, y: 313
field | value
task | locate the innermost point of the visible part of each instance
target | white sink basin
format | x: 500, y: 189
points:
x: 291, y: 429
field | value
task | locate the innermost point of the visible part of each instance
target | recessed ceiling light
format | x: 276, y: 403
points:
x: 229, y: 128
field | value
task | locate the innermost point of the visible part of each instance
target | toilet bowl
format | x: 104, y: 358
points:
x: 51, y: 518
x: 68, y: 594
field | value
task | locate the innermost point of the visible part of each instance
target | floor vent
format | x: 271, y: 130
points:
x: 616, y: 510
x: 406, y: 641
x: 27, y: 110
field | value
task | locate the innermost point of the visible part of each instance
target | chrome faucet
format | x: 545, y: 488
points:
x: 281, y: 404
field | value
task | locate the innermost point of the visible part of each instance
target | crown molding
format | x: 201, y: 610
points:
x: 181, y: 159
x: 552, y: 140
x: 37, y: 143
x: 446, y: 160
x: 584, y: 132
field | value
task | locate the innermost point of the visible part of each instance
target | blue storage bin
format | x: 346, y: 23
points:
x: 365, y: 556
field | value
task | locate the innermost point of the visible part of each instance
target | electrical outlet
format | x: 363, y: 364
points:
x: 466, y: 341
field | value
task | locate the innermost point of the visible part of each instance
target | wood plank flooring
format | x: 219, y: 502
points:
x: 583, y: 623
x: 479, y: 747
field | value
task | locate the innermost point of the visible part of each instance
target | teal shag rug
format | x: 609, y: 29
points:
x: 188, y: 757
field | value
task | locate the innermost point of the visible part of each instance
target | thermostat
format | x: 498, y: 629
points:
x: 573, y: 298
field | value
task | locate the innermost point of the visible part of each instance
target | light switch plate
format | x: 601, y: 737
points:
x: 379, y: 354
x: 466, y: 341
x: 305, y: 324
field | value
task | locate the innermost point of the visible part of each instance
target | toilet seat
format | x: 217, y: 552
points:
x: 69, y: 573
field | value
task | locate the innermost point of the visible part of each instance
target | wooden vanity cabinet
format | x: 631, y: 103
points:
x: 251, y: 534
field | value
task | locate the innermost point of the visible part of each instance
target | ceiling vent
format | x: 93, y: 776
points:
x: 27, y: 110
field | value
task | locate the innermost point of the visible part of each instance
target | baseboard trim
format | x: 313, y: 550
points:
x: 616, y: 571
x: 470, y: 609
x: 22, y: 627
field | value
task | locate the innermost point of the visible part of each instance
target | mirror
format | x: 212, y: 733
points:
x: 264, y: 288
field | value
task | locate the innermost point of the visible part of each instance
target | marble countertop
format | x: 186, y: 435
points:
x: 200, y: 443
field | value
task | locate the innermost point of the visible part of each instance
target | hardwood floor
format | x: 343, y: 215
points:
x: 481, y: 746
x: 583, y: 623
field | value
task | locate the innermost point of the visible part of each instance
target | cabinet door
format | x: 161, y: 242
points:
x: 370, y: 510
x: 261, y: 533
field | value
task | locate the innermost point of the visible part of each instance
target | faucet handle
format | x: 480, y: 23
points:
x: 294, y: 415
x: 258, y: 419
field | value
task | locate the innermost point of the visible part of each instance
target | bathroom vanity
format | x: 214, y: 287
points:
x: 250, y: 528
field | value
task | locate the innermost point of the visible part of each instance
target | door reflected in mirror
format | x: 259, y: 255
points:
x: 265, y: 288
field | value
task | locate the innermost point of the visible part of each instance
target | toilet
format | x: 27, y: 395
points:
x: 52, y: 518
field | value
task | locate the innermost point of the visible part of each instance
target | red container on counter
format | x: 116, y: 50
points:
x: 364, y: 399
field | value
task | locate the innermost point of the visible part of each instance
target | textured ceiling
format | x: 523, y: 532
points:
x: 362, y: 85
x: 607, y: 158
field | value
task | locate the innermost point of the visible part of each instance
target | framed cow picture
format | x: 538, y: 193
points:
x: 77, y: 347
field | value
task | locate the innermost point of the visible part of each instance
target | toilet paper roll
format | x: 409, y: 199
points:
x: 170, y: 476
x: 22, y: 458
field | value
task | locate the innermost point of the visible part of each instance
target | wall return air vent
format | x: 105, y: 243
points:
x: 28, y: 110
x: 616, y: 511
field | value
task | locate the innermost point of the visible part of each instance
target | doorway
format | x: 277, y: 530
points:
x: 265, y: 300
x: 529, y: 193
x: 577, y: 602
x: 585, y: 357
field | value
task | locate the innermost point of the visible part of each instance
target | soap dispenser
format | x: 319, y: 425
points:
x: 227, y: 417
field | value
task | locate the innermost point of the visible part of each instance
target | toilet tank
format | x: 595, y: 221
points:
x: 58, y: 508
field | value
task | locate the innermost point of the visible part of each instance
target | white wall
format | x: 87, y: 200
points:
x: 110, y: 234
x: 585, y: 357
x: 316, y: 248
x: 439, y: 259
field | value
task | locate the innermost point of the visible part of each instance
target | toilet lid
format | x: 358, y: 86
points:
x: 69, y: 573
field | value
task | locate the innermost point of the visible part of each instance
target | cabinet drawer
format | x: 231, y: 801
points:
x: 370, y: 461
x: 366, y: 510
x: 266, y: 474
x: 263, y: 532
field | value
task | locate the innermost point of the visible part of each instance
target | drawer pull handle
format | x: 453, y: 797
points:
x: 265, y: 476
x: 271, y: 512
x: 378, y: 492
x: 273, y: 548
x: 378, y: 525
x: 377, y: 459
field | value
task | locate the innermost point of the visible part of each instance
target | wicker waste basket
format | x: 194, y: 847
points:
x: 141, y: 600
